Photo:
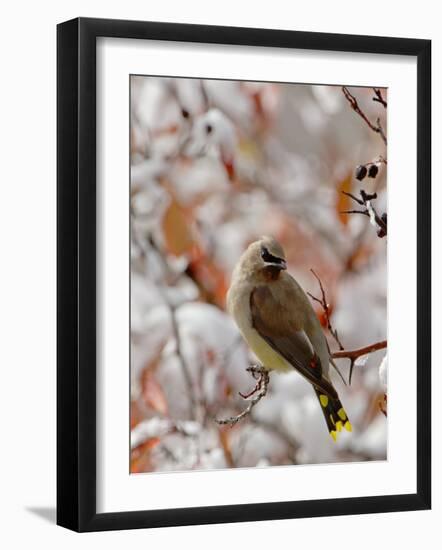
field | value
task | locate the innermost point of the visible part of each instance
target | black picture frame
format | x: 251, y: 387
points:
x: 77, y: 286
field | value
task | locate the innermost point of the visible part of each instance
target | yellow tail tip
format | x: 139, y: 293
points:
x: 348, y: 426
x: 324, y: 400
x: 333, y: 434
x: 342, y: 414
x: 339, y: 425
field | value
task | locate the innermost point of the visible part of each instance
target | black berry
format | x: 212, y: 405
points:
x: 209, y: 128
x: 361, y: 172
x: 373, y: 171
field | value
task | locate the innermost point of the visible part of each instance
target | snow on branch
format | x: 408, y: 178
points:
x: 355, y: 354
x: 369, y: 210
x: 262, y: 376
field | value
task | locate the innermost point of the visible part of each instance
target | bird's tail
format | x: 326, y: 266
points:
x: 334, y: 413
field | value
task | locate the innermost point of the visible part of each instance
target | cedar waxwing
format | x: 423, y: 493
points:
x: 275, y: 317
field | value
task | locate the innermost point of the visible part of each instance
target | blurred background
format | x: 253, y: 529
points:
x: 215, y: 165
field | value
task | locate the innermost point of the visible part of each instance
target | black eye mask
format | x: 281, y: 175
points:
x: 269, y: 258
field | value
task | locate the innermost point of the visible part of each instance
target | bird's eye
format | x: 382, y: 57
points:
x: 265, y: 255
x: 269, y: 258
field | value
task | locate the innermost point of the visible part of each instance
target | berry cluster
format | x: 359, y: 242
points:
x: 362, y: 171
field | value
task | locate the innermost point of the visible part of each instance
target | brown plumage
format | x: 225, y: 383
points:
x: 278, y: 322
x: 285, y: 334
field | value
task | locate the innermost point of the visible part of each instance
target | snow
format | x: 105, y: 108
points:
x: 238, y: 160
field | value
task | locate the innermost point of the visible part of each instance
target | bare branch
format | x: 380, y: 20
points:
x: 184, y: 367
x: 378, y: 97
x: 355, y: 106
x: 172, y: 310
x: 326, y: 308
x: 364, y: 212
x: 380, y: 130
x: 343, y: 353
x: 260, y: 374
x: 369, y: 210
x: 356, y: 353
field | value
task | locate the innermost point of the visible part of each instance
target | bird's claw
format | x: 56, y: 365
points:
x: 260, y: 374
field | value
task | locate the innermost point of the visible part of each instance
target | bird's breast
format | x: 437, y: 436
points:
x: 239, y: 307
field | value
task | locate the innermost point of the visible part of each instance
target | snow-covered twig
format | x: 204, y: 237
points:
x: 369, y: 210
x: 184, y: 367
x: 262, y: 376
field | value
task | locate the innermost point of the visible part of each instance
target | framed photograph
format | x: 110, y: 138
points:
x: 243, y: 256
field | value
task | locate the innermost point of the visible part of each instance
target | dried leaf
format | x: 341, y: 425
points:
x: 224, y: 433
x: 177, y: 229
x: 140, y: 456
x: 359, y: 257
x: 152, y: 393
x: 210, y: 279
x: 167, y: 130
x: 343, y: 201
x: 136, y: 415
x: 383, y: 405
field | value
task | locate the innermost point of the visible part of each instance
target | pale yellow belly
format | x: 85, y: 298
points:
x: 269, y: 358
x: 238, y: 305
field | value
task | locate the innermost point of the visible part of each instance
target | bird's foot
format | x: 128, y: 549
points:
x: 260, y: 374
x: 263, y: 378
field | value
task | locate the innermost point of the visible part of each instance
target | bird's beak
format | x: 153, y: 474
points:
x: 279, y: 265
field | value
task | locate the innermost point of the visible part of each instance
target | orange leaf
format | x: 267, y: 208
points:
x: 225, y: 444
x: 177, y: 229
x: 167, y: 130
x: 153, y: 394
x: 140, y: 456
x: 343, y: 202
x: 136, y: 415
x: 358, y: 257
x: 210, y: 279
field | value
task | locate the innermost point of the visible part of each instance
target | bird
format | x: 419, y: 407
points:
x: 277, y: 321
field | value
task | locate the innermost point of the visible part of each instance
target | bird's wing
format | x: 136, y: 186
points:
x: 277, y: 325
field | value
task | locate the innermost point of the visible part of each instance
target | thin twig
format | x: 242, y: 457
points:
x: 364, y: 212
x: 183, y: 363
x: 355, y: 106
x: 379, y: 160
x: 261, y: 390
x: 172, y: 311
x: 356, y: 353
x: 343, y: 353
x: 326, y: 308
x: 380, y: 130
x: 369, y: 210
x: 378, y: 97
